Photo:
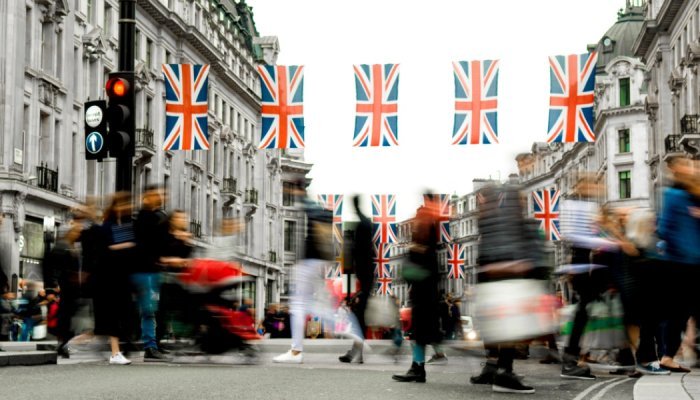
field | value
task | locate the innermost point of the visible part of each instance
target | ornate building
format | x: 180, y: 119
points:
x: 56, y: 54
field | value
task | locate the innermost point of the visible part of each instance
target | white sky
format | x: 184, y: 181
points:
x: 424, y: 37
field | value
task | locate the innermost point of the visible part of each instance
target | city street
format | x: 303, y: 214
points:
x: 321, y: 376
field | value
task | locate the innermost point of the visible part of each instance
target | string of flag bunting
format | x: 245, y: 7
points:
x: 571, y: 117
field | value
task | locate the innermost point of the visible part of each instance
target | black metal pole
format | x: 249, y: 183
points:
x: 127, y: 32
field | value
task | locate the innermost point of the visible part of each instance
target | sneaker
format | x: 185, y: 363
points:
x: 653, y: 368
x: 119, y: 359
x: 575, y: 371
x: 64, y: 351
x: 289, y: 358
x: 154, y: 355
x: 487, y: 375
x: 508, y: 382
x: 438, y: 359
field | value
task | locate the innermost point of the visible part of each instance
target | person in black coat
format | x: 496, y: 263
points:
x: 424, y: 295
x: 63, y: 276
x: 363, y: 266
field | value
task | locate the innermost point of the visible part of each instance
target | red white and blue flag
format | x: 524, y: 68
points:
x: 442, y: 203
x: 376, y: 119
x: 546, y: 207
x: 476, y: 102
x: 333, y: 272
x: 382, y: 259
x: 282, y: 89
x: 572, y: 81
x: 384, y: 226
x: 456, y: 260
x: 385, y: 280
x: 334, y: 202
x: 186, y: 106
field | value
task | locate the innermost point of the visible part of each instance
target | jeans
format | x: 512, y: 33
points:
x: 308, y: 284
x: 147, y: 286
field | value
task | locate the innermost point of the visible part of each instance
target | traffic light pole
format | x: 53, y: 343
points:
x: 127, y: 32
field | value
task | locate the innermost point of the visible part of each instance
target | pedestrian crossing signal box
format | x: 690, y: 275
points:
x: 95, y: 130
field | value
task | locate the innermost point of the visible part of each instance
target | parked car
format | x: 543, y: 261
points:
x: 468, y: 331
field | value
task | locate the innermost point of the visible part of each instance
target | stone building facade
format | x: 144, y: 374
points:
x: 56, y: 54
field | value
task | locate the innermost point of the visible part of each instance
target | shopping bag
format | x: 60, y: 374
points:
x: 381, y: 312
x: 605, y: 329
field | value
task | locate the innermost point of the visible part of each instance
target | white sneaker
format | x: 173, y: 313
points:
x: 288, y: 358
x: 119, y: 359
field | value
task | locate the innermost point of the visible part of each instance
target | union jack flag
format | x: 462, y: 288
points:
x: 334, y: 202
x: 546, y: 206
x: 382, y: 259
x: 443, y: 205
x: 456, y: 258
x: 476, y: 103
x: 186, y: 106
x: 385, y: 228
x: 376, y: 121
x: 333, y: 272
x: 572, y: 80
x: 282, y: 89
x: 385, y: 283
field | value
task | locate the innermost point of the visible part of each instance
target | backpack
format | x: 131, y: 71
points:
x: 321, y: 232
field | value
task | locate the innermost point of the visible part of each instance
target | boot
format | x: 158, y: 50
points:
x: 415, y: 374
x: 353, y: 355
x: 487, y: 374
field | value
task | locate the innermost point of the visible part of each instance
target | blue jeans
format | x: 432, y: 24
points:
x: 147, y: 286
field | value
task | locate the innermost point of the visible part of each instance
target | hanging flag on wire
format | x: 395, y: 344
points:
x: 333, y: 272
x: 377, y: 92
x: 334, y: 202
x: 546, y: 206
x: 186, y: 106
x: 382, y: 259
x: 476, y: 102
x: 456, y: 260
x: 443, y: 212
x: 572, y: 81
x: 282, y: 89
x: 385, y: 283
x: 384, y: 226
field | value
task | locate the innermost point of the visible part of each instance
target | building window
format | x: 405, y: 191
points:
x: 624, y: 140
x: 149, y: 45
x: 624, y: 92
x: 289, y: 235
x: 28, y: 38
x: 107, y: 22
x: 90, y: 11
x: 137, y: 42
x: 287, y: 196
x: 167, y: 57
x: 625, y: 184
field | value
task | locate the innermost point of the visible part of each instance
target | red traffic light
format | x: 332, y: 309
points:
x: 117, y: 87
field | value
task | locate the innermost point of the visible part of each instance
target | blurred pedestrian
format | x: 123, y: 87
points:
x: 150, y: 228
x: 112, y: 296
x: 62, y: 275
x: 309, y: 275
x: 363, y: 267
x: 421, y: 272
x: 679, y: 231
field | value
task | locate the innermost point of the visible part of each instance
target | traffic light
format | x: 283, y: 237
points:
x: 95, y: 130
x: 120, y: 114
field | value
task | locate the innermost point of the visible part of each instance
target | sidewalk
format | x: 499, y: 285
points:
x: 672, y: 387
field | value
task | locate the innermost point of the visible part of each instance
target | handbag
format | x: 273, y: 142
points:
x: 381, y: 312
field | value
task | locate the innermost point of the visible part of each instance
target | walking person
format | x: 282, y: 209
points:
x: 150, y: 229
x: 62, y: 275
x: 580, y: 229
x: 362, y: 266
x: 422, y: 273
x: 308, y: 276
x: 112, y: 296
x: 679, y: 231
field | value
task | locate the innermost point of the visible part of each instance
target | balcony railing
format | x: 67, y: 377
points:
x: 273, y: 256
x: 196, y: 228
x: 144, y: 140
x: 229, y: 186
x: 689, y: 124
x: 673, y: 144
x: 251, y: 196
x: 47, y: 178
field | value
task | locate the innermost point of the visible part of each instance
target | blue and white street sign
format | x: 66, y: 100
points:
x: 94, y: 142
